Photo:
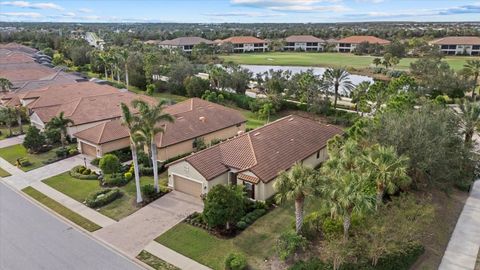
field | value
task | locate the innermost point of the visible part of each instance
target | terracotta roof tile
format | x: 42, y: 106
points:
x: 360, y: 39
x: 457, y: 41
x: 182, y: 41
x: 243, y: 39
x: 303, y: 38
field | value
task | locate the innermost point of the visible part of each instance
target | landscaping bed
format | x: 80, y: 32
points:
x: 155, y: 262
x: 18, y: 151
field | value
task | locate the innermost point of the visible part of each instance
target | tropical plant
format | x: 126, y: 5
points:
x: 60, y: 123
x: 224, y: 205
x: 470, y: 119
x: 472, y: 68
x: 387, y: 169
x: 151, y: 119
x: 19, y: 112
x: 335, y: 78
x: 377, y: 61
x: 131, y: 123
x: 5, y: 84
x: 7, y: 116
x: 360, y: 94
x: 123, y: 55
x: 296, y: 185
x: 34, y: 139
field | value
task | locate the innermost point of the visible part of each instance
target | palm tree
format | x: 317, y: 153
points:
x: 470, y: 119
x: 296, y: 184
x: 387, y: 169
x: 150, y: 118
x: 131, y: 123
x: 60, y: 123
x: 377, y: 61
x: 19, y: 113
x: 336, y: 77
x: 359, y: 94
x: 7, y: 115
x: 5, y: 84
x: 124, y: 58
x: 472, y: 67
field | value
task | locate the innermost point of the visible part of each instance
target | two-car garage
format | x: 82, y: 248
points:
x: 187, y: 186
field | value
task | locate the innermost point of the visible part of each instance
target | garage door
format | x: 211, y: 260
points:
x: 187, y: 186
x: 87, y: 149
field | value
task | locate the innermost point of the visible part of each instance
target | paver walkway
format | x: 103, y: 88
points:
x: 134, y: 232
x: 173, y: 257
x: 11, y: 141
x: 464, y: 243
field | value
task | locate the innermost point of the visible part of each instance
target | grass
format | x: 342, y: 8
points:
x: 4, y: 173
x: 326, y: 60
x: 155, y: 262
x: 79, y: 189
x: 11, y: 153
x: 256, y: 242
x: 4, y: 131
x: 61, y: 210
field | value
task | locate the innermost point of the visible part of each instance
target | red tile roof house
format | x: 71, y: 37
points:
x: 194, y: 118
x: 458, y: 45
x: 304, y: 43
x: 349, y: 44
x: 254, y: 159
x: 243, y: 44
x: 185, y: 44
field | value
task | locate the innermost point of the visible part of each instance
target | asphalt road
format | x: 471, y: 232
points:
x: 31, y: 238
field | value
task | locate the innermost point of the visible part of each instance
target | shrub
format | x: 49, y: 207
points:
x: 241, y: 225
x: 114, y: 179
x: 331, y: 226
x: 109, y: 164
x: 143, y: 159
x: 289, y: 243
x: 102, y: 197
x: 34, y: 140
x: 148, y: 191
x: 22, y: 162
x: 61, y: 152
x: 235, y: 261
x: 312, y: 225
x: 145, y: 171
x: 72, y: 151
x: 95, y: 161
x: 224, y: 205
x: 123, y: 155
x: 81, y: 172
x: 128, y: 176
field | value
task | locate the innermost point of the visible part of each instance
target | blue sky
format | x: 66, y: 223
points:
x: 243, y: 11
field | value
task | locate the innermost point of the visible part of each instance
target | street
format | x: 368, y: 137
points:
x: 31, y: 238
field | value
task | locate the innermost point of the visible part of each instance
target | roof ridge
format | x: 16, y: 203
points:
x: 253, y: 150
x: 103, y: 130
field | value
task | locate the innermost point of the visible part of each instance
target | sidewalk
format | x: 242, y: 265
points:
x: 11, y: 141
x: 173, y: 257
x: 73, y: 205
x: 462, y: 250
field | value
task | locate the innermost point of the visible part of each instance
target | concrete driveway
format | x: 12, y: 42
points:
x: 136, y: 231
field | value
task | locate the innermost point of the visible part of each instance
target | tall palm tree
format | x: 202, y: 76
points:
x: 295, y: 185
x: 5, y: 84
x: 103, y: 57
x: 19, y: 113
x: 7, y: 115
x: 131, y: 123
x: 359, y: 94
x: 472, y: 67
x: 60, y: 123
x: 470, y: 119
x: 336, y: 78
x: 123, y: 55
x: 387, y: 169
x: 150, y: 119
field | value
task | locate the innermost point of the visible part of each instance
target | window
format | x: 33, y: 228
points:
x: 318, y: 154
x: 249, y: 189
x: 476, y: 47
x: 232, y: 178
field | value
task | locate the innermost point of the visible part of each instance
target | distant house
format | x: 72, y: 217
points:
x: 458, y: 45
x: 95, y: 41
x: 304, y: 43
x: 242, y: 44
x: 254, y: 159
x: 185, y: 44
x: 195, y: 119
x: 349, y: 44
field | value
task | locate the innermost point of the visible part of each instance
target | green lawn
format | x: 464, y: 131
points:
x: 155, y: 262
x: 13, y: 152
x: 3, y: 173
x: 4, y: 131
x: 79, y: 190
x: 61, y: 210
x: 256, y: 242
x: 325, y: 59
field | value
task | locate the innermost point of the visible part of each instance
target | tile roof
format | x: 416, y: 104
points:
x: 21, y: 72
x: 189, y: 123
x: 182, y: 41
x: 360, y: 39
x: 303, y: 38
x: 243, y: 39
x: 457, y: 41
x: 265, y: 151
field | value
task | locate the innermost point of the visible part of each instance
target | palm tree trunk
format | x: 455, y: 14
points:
x: 346, y: 226
x: 137, y: 175
x: 126, y: 74
x: 155, y: 164
x: 468, y: 137
x: 299, y: 203
x: 106, y: 72
x: 380, y: 193
x: 336, y: 97
x: 475, y: 85
x: 62, y: 139
x: 19, y: 121
x: 9, y: 125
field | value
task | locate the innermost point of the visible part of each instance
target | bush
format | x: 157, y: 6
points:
x: 72, y: 151
x: 123, y: 155
x: 95, y: 161
x: 312, y: 225
x: 289, y: 243
x: 61, y: 152
x: 145, y: 171
x: 241, y: 225
x: 331, y: 226
x: 235, y: 261
x: 34, y: 140
x: 149, y: 193
x: 143, y: 159
x: 102, y: 197
x: 109, y: 164
x: 81, y: 172
x: 114, y: 180
x: 128, y: 176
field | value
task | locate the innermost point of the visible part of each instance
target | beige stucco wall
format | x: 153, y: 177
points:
x: 171, y: 151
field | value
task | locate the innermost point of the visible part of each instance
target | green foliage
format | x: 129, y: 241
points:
x: 102, y: 197
x: 109, y: 164
x: 199, y: 144
x: 195, y: 86
x: 61, y: 152
x: 213, y: 96
x: 150, y: 89
x: 95, y: 161
x: 289, y: 243
x: 224, y: 206
x: 22, y: 162
x: 312, y: 225
x: 81, y: 172
x: 114, y: 180
x: 128, y: 176
x: 235, y: 261
x: 34, y: 140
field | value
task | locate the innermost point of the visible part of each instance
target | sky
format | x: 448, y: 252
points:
x: 240, y: 11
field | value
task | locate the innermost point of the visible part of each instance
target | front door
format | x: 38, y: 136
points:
x: 249, y: 189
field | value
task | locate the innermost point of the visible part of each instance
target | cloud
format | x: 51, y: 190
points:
x: 85, y: 10
x: 466, y: 9
x: 244, y: 14
x: 294, y: 5
x: 25, y: 4
x: 30, y: 15
x: 371, y: 1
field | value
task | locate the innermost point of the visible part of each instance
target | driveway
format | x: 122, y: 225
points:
x: 136, y: 231
x: 11, y: 141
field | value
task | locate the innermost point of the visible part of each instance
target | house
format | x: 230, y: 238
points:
x: 304, y: 43
x: 184, y: 44
x: 195, y: 119
x: 458, y: 45
x: 254, y: 159
x: 242, y: 44
x: 349, y: 44
x: 94, y: 40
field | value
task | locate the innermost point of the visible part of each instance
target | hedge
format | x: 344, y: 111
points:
x: 115, y: 180
x: 81, y: 172
x: 102, y: 197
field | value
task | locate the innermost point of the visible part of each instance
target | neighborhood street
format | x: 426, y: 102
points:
x: 31, y: 238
